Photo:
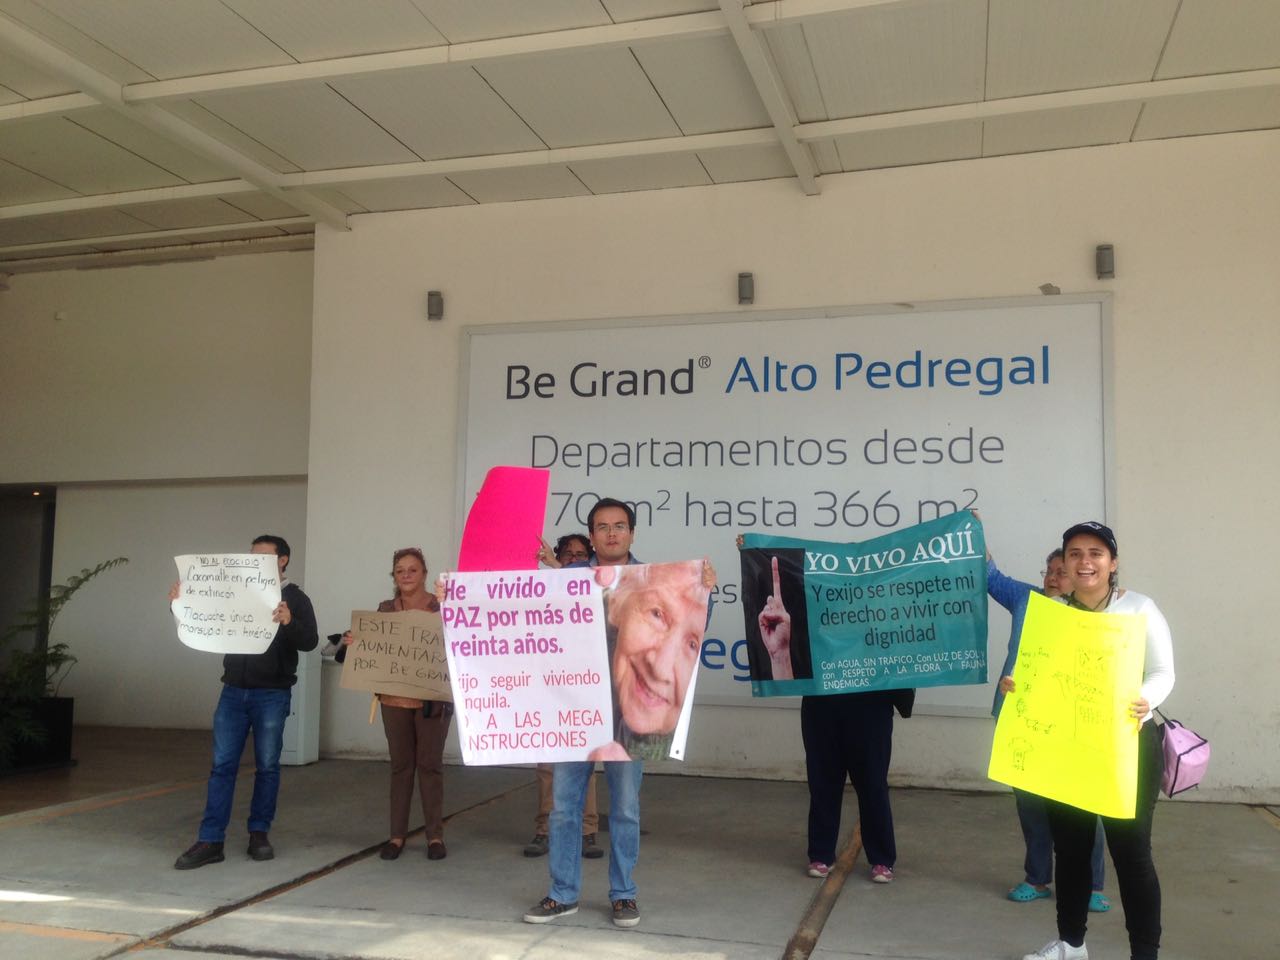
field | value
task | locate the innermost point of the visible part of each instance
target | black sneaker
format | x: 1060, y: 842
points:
x: 198, y: 854
x: 259, y: 846
x: 625, y: 913
x: 548, y: 909
x: 538, y: 846
x: 590, y: 851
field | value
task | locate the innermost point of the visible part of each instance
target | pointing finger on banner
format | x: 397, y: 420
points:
x: 777, y: 585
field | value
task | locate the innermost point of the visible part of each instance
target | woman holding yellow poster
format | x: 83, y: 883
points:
x: 1091, y: 554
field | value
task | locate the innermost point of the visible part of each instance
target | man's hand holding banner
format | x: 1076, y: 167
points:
x: 907, y: 609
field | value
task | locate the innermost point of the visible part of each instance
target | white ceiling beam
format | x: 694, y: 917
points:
x: 473, y: 53
x: 194, y: 191
x: 769, y: 89
x: 38, y: 52
x: 177, y: 252
x: 47, y: 106
x: 212, y: 230
x: 762, y: 137
x: 478, y: 52
x: 789, y: 11
x: 1038, y: 103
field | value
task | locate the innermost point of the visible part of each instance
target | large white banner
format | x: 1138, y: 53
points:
x: 842, y: 427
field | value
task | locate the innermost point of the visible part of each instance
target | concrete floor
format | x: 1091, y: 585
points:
x: 86, y: 872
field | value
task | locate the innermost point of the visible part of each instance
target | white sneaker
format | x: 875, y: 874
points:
x: 1059, y: 950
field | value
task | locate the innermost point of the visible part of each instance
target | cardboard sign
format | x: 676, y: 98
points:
x: 400, y: 653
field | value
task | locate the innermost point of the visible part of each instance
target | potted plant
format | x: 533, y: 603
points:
x: 35, y: 723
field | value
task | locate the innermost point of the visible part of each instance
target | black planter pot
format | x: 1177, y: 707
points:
x: 54, y: 715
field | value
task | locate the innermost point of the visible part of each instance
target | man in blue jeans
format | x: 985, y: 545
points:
x: 255, y: 698
x: 611, y: 526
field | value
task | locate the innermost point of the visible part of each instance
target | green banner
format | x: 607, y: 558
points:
x: 908, y: 609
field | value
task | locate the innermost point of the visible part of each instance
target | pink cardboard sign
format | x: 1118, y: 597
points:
x: 504, y: 525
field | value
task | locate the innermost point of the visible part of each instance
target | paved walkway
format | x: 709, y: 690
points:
x: 720, y: 876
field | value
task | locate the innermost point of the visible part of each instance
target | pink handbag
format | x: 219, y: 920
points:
x: 1186, y: 757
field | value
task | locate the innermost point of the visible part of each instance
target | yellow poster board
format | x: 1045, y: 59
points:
x: 1065, y: 731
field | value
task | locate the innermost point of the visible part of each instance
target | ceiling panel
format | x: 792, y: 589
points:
x: 1046, y: 47
x: 212, y: 124
x: 79, y: 44
x: 65, y: 153
x: 441, y: 112
x: 199, y: 36
x: 463, y: 20
x: 18, y: 185
x: 155, y: 147
x: 182, y: 214
x: 414, y: 193
x: 321, y: 29
x: 1210, y: 113
x: 527, y: 183
x: 734, y: 164
x: 1059, y: 129
x: 77, y: 225
x: 623, y: 10
x: 262, y: 206
x: 825, y: 156
x: 900, y: 57
x: 704, y: 83
x: 641, y: 173
x: 910, y: 145
x: 790, y: 51
x: 590, y: 96
x: 310, y: 125
x: 29, y: 82
x: 1211, y: 36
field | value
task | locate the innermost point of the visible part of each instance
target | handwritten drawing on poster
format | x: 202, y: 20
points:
x: 907, y: 609
x: 400, y: 653
x: 581, y: 663
x: 1065, y: 732
x: 225, y: 601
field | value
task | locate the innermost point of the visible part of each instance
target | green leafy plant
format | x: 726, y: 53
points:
x: 29, y: 675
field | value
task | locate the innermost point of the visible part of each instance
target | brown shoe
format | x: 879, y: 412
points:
x: 436, y: 850
x: 391, y: 849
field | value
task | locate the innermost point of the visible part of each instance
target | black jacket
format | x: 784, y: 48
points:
x: 277, y: 666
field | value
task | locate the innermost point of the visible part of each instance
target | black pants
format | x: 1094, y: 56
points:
x: 1130, y: 844
x: 849, y: 735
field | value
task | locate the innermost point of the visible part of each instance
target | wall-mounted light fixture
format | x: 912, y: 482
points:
x: 435, y: 305
x: 746, y: 288
x: 1104, y: 260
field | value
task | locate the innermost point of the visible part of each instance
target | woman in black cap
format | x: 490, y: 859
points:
x: 1091, y: 560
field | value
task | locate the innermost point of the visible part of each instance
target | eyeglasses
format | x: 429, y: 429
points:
x: 603, y: 528
x: 573, y: 555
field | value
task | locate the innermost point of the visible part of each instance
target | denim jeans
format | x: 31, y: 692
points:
x: 1038, y: 864
x: 569, y: 790
x: 241, y: 710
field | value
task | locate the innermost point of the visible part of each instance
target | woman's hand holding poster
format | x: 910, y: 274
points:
x: 574, y: 664
x: 908, y: 609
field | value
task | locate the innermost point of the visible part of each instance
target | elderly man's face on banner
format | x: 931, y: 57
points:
x: 660, y: 619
